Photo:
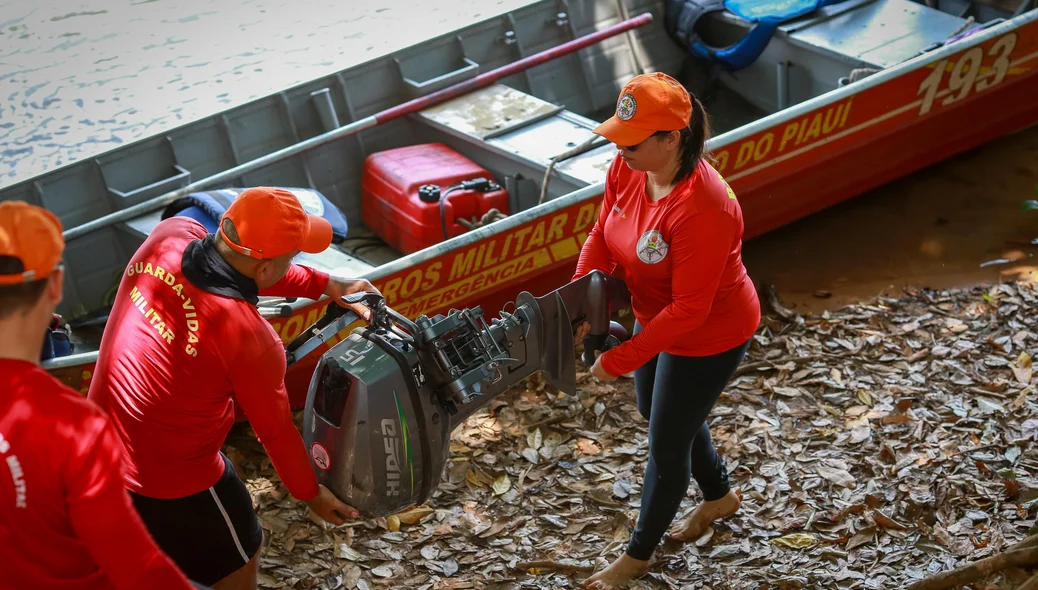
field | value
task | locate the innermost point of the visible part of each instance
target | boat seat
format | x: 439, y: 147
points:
x: 761, y: 18
x: 877, y: 34
x: 56, y: 340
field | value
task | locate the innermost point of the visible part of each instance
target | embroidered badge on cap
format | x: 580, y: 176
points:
x: 626, y: 108
x: 651, y: 247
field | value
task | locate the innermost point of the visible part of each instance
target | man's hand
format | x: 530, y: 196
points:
x: 581, y: 332
x: 339, y: 288
x: 330, y: 508
x: 599, y: 372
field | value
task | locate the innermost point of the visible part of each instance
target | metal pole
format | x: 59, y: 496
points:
x: 385, y: 116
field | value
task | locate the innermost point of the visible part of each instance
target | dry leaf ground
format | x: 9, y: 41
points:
x: 873, y: 446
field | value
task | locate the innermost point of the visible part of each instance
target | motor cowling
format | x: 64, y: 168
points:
x: 369, y: 408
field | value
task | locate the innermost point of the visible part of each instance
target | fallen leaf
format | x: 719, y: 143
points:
x: 1012, y: 489
x: 347, y: 552
x: 414, y: 515
x: 864, y: 536
x: 588, y: 447
x: 887, y: 523
x: 535, y: 439
x: 430, y: 552
x: 852, y: 509
x: 839, y: 477
x: 622, y: 488
x: 796, y: 540
x: 1022, y: 368
x: 502, y: 484
x: 861, y: 433
x: 788, y: 391
x: 989, y: 407
x: 350, y: 575
x: 865, y: 397
x: 450, y: 567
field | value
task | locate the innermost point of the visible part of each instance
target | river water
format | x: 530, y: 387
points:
x: 78, y: 77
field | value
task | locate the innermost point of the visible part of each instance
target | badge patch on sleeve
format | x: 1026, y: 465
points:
x: 651, y: 247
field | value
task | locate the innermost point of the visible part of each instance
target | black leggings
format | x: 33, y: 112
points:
x: 675, y: 394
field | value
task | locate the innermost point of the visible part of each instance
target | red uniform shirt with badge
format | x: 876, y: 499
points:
x: 681, y: 258
x: 66, y: 520
x: 171, y: 358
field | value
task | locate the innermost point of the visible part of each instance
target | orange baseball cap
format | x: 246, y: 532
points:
x: 647, y: 104
x: 271, y: 222
x: 32, y: 236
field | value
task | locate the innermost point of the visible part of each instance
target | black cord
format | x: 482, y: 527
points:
x: 443, y: 213
x: 483, y: 185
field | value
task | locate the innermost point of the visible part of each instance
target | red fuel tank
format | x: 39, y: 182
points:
x: 401, y: 190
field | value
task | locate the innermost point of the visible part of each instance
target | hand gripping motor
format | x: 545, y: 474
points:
x: 383, y: 401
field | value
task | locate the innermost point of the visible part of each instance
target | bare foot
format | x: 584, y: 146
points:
x: 621, y: 571
x: 695, y: 525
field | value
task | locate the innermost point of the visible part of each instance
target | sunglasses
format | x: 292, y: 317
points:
x: 634, y: 148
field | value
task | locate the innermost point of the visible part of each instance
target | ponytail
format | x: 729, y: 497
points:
x: 693, y: 141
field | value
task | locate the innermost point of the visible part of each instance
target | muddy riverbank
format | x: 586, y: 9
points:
x: 955, y: 224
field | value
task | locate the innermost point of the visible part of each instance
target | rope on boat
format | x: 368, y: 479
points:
x: 489, y: 217
x: 592, y: 142
x: 969, y: 23
x: 859, y: 73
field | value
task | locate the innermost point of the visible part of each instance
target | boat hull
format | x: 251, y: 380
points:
x: 783, y: 168
x: 854, y: 142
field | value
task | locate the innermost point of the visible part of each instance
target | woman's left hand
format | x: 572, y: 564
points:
x: 599, y: 371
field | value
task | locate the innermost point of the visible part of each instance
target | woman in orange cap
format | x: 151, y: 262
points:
x: 671, y: 227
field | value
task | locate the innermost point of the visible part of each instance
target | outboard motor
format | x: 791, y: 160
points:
x: 383, y: 402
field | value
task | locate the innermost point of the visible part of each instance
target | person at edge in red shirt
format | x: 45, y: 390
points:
x: 671, y: 228
x: 184, y: 340
x: 66, y: 520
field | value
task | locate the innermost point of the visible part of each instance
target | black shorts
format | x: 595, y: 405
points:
x: 209, y: 535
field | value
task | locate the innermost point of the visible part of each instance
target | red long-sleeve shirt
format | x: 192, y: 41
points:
x: 681, y: 258
x: 171, y: 358
x: 66, y: 520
